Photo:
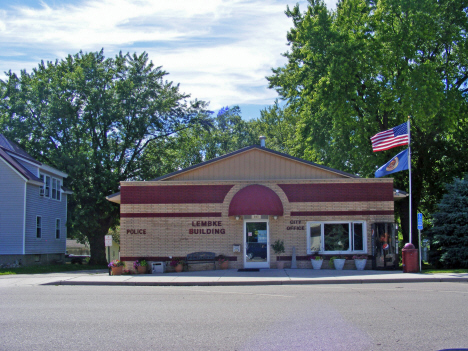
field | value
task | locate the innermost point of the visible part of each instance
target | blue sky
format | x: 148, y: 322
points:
x: 218, y: 50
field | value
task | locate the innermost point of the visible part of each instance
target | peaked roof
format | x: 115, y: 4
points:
x: 253, y: 147
x: 10, y: 152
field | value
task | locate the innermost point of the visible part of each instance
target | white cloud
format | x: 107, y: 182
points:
x: 219, y: 50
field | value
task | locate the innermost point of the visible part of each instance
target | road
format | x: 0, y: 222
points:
x: 409, y: 316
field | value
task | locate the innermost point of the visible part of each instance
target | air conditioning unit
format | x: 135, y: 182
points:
x: 41, y: 192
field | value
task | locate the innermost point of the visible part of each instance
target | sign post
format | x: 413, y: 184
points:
x: 108, y: 243
x: 420, y: 227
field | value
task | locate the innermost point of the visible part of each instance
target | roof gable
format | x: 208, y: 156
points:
x: 255, y: 163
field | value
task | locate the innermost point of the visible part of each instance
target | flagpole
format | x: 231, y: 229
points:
x: 409, y: 168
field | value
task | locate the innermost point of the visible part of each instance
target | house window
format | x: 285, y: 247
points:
x: 336, y: 237
x: 54, y: 188
x: 41, y: 188
x: 38, y: 227
x: 57, y: 228
x: 51, y: 187
x: 59, y: 188
x: 47, y: 186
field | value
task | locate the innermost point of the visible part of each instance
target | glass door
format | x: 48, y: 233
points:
x: 256, y: 244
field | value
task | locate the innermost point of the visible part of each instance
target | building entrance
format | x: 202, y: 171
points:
x: 256, y: 244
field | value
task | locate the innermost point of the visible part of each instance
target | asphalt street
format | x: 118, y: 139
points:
x: 390, y: 316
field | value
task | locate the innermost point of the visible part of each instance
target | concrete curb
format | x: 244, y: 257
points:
x: 266, y: 282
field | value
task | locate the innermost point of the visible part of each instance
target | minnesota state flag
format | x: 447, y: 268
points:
x: 396, y: 164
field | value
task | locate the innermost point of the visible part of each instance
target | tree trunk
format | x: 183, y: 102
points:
x: 98, y: 249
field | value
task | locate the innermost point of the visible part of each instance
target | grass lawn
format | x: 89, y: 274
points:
x: 53, y: 268
x: 427, y: 268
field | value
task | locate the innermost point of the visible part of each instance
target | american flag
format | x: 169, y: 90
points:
x: 390, y: 138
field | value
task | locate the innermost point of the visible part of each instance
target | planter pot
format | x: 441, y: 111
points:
x: 360, y: 264
x: 179, y: 268
x: 280, y: 264
x: 117, y: 270
x: 141, y: 269
x: 224, y: 265
x: 339, y: 263
x: 316, y: 264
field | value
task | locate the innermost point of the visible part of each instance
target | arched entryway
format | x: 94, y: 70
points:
x: 255, y: 203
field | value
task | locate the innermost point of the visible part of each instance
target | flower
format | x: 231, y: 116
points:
x: 139, y: 263
x: 360, y: 257
x: 315, y: 257
x: 222, y: 258
x: 116, y: 263
x: 176, y: 261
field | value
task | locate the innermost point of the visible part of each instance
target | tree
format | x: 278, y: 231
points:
x: 449, y: 234
x: 93, y: 118
x: 228, y: 133
x: 365, y: 68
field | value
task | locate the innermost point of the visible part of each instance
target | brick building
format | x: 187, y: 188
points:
x: 239, y: 204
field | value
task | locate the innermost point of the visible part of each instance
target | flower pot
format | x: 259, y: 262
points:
x: 141, y: 269
x: 117, y: 270
x: 179, y: 268
x: 280, y: 264
x: 224, y: 265
x: 339, y: 263
x: 316, y: 264
x: 360, y: 264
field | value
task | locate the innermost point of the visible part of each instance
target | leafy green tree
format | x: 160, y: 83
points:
x: 449, y: 234
x: 365, y: 68
x: 277, y: 125
x: 228, y: 133
x: 93, y: 117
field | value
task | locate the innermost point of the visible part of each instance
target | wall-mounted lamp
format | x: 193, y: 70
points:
x: 275, y: 217
x: 396, y: 226
x: 237, y: 218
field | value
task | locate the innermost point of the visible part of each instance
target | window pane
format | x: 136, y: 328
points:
x: 47, y: 186
x: 57, y: 229
x: 336, y: 237
x: 38, y: 227
x: 54, y: 188
x: 358, y: 237
x: 59, y: 187
x: 315, y: 236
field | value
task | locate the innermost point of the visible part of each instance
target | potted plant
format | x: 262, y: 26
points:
x: 178, y: 264
x: 338, y: 262
x: 316, y: 261
x: 116, y: 266
x: 140, y: 266
x: 223, y: 262
x: 360, y: 262
x: 278, y: 248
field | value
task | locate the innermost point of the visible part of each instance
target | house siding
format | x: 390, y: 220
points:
x: 11, y: 211
x: 50, y: 210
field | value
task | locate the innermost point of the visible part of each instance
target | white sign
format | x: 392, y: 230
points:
x: 108, y: 240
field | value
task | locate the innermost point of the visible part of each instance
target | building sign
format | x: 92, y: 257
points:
x: 297, y: 225
x: 136, y: 231
x: 207, y: 227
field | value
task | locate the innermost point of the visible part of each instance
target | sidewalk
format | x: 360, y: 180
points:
x: 230, y: 277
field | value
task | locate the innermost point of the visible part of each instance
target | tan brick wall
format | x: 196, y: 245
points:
x: 169, y: 236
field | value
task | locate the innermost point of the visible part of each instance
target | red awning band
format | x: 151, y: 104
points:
x: 256, y: 200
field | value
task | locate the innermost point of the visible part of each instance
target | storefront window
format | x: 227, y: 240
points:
x: 333, y: 237
x: 336, y: 237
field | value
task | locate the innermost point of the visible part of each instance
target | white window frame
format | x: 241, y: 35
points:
x: 51, y: 188
x: 39, y: 227
x: 351, y: 237
x: 46, y: 186
x: 58, y: 226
